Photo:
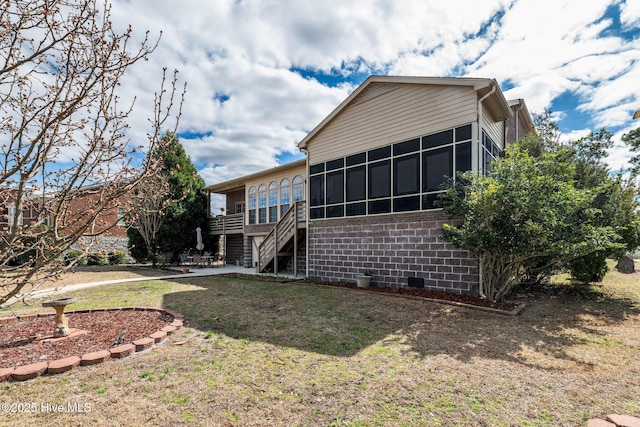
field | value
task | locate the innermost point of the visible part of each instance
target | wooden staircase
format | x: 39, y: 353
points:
x: 282, y: 243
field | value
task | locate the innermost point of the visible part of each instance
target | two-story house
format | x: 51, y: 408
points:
x: 103, y: 231
x: 367, y: 188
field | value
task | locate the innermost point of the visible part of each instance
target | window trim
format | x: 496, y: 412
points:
x: 263, y: 208
x: 252, y: 199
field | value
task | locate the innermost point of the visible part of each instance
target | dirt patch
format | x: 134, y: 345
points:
x: 408, y: 291
x: 23, y: 341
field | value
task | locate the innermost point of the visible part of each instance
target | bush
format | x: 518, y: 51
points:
x: 76, y: 257
x: 590, y: 268
x: 96, y: 258
x: 117, y: 257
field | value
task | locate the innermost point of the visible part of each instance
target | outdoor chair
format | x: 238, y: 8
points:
x: 197, y: 260
x: 207, y: 258
x: 184, y: 259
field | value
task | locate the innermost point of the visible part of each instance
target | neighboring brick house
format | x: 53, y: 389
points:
x: 109, y: 231
x: 102, y: 235
x: 9, y: 216
x: 373, y: 172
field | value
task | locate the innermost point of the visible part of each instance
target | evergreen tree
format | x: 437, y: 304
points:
x: 632, y: 139
x: 184, y: 210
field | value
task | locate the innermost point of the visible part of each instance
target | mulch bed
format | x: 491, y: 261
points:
x: 408, y: 291
x: 22, y: 343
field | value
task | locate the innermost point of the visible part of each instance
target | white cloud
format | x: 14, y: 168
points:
x: 245, y: 50
x: 620, y: 154
x: 630, y: 13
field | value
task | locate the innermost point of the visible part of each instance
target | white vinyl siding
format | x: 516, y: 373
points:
x: 390, y: 116
x: 495, y: 130
x: 271, y: 200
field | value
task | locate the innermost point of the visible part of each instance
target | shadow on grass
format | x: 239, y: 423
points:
x: 342, y: 322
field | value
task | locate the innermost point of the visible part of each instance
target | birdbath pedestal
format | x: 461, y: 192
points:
x: 62, y: 323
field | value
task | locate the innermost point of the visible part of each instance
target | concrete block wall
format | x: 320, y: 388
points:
x: 249, y: 262
x: 394, y: 247
x: 248, y: 252
x: 235, y: 248
x: 301, y: 262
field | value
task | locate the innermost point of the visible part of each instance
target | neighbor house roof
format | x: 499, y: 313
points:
x: 520, y: 105
x: 239, y: 183
x: 495, y: 102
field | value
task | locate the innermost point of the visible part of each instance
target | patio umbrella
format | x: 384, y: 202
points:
x: 199, y: 245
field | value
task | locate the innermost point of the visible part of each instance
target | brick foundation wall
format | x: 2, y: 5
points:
x: 394, y: 247
x: 248, y: 253
x: 234, y: 248
x: 249, y: 232
x: 301, y: 262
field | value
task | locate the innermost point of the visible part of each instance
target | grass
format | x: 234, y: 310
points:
x: 259, y: 353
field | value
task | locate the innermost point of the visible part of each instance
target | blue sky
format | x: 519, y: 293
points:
x: 261, y: 74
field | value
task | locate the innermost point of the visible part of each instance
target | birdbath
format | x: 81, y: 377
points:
x: 62, y: 323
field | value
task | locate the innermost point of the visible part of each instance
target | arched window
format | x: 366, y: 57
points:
x: 262, y: 204
x: 298, y: 188
x: 252, y: 205
x: 273, y: 202
x: 285, y: 196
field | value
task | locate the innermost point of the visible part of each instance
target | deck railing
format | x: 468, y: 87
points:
x: 226, y: 224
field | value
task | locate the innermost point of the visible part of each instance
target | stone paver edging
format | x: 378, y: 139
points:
x: 615, y: 420
x: 34, y: 370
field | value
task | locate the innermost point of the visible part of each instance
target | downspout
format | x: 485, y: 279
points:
x: 520, y: 106
x: 306, y: 214
x: 491, y: 92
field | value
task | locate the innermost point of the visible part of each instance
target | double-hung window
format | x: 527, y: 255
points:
x: 273, y: 202
x: 262, y: 204
x: 285, y: 196
x: 252, y: 205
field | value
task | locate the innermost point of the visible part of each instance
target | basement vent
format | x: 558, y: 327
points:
x: 415, y: 282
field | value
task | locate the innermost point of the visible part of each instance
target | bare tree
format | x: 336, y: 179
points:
x: 151, y: 201
x: 63, y: 132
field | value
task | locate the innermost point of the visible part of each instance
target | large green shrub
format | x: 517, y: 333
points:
x: 590, y: 268
x: 526, y: 211
x: 182, y: 209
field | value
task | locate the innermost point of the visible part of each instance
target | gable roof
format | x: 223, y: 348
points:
x: 239, y: 183
x: 377, y: 85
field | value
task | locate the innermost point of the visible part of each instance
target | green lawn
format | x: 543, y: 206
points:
x: 263, y: 354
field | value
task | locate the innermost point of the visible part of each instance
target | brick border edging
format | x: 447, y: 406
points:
x: 34, y: 370
x: 614, y: 420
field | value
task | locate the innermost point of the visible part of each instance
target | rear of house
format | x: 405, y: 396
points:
x: 372, y: 176
x: 255, y: 205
